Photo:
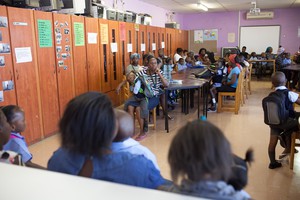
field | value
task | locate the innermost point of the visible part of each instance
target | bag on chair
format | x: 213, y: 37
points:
x: 276, y: 111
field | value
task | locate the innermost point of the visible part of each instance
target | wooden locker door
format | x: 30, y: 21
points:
x: 114, y: 57
x: 177, y: 42
x: 104, y: 56
x: 137, y: 40
x: 93, y: 53
x: 7, y: 97
x: 167, y: 43
x: 123, y: 59
x: 154, y: 39
x: 143, y: 40
x: 130, y: 41
x: 64, y: 66
x: 186, y: 39
x: 22, y: 33
x: 163, y: 40
x: 149, y: 39
x: 47, y: 71
x: 79, y: 55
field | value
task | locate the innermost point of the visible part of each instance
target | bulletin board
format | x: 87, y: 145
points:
x: 208, y: 43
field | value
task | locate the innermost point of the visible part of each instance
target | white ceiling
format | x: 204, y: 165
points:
x: 190, y: 6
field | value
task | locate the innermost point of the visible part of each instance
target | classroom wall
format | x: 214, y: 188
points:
x: 229, y: 22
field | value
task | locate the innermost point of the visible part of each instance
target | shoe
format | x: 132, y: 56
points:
x: 170, y: 118
x: 275, y: 165
x: 211, y: 109
x: 141, y: 137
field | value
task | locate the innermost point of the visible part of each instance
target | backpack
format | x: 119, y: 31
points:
x: 147, y: 90
x: 276, y: 109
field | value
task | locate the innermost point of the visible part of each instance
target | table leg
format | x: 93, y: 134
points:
x: 166, y: 111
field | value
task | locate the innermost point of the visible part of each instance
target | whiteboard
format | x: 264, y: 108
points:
x: 258, y: 38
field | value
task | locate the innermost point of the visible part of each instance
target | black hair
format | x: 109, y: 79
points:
x: 201, y: 50
x: 145, y: 56
x: 149, y: 57
x: 179, y: 50
x: 10, y: 112
x: 184, y: 51
x: 244, y: 47
x: 168, y: 59
x: 200, y: 151
x: 88, y: 124
x: 180, y: 59
x: 158, y: 61
x: 278, y: 79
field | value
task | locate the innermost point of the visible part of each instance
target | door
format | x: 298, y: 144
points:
x: 79, y: 55
x: 8, y: 96
x: 47, y: 71
x: 22, y: 33
x: 63, y: 59
x: 93, y: 53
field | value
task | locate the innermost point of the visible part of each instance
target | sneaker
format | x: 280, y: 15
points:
x: 275, y: 165
x: 212, y: 109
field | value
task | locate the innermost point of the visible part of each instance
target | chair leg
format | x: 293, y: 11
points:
x: 292, y: 154
x: 154, y: 118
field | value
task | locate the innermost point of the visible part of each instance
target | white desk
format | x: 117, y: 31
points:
x: 18, y: 183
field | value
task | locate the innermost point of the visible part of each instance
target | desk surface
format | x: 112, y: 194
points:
x: 26, y: 183
x: 189, y: 81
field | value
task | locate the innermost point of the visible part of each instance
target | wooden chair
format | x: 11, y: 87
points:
x: 248, y: 81
x: 223, y: 106
x: 295, y: 135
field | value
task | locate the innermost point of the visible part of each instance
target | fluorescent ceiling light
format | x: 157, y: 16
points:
x: 202, y: 7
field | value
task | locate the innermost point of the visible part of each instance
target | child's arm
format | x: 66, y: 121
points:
x: 33, y: 165
x: 120, y: 85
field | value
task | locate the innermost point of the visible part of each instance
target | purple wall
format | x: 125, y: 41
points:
x: 228, y: 22
x: 158, y: 14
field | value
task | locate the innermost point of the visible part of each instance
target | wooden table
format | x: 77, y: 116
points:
x: 293, y: 67
x: 189, y: 81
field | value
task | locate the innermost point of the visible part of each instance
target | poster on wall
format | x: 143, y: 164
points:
x: 4, y: 48
x: 211, y: 34
x: 79, y: 33
x: 3, y: 21
x: 23, y: 54
x: 44, y: 33
x: 231, y: 37
x: 1, y: 96
x: 2, y: 61
x: 7, y: 85
x: 198, y: 36
x: 104, y: 33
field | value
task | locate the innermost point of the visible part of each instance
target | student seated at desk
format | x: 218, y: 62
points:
x: 87, y: 128
x: 203, y: 57
x: 201, y: 161
x: 297, y: 57
x: 181, y: 65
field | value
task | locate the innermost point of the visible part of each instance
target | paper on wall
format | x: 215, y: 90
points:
x: 153, y: 46
x: 92, y: 38
x: 129, y: 48
x: 23, y: 54
x: 163, y: 45
x: 114, y: 47
x: 231, y: 37
x: 143, y: 47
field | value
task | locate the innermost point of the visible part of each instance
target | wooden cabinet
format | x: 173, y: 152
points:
x: 64, y: 59
x: 114, y: 58
x: 171, y: 41
x: 47, y: 71
x: 142, y: 40
x: 161, y: 39
x: 7, y: 95
x: 130, y: 41
x: 152, y: 40
x: 93, y: 53
x: 79, y: 55
x: 23, y: 43
x: 104, y: 52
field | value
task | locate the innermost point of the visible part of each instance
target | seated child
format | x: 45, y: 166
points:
x: 87, y: 128
x: 168, y: 69
x: 138, y: 100
x: 123, y: 140
x: 16, y: 118
x: 286, y: 59
x: 189, y: 62
x: 201, y: 160
x: 262, y: 66
x: 9, y: 157
x: 181, y: 65
x: 219, y: 74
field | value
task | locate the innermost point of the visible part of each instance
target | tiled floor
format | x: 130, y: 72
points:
x: 244, y: 130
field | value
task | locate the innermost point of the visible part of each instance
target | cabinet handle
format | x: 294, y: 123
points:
x: 17, y: 74
x: 54, y: 69
x: 11, y: 76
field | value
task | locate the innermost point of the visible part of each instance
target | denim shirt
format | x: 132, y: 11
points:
x: 120, y: 167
